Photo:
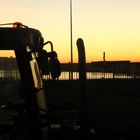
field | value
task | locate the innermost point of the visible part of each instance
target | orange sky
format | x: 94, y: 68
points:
x: 111, y: 26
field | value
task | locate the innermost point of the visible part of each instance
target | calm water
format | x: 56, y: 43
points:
x: 93, y: 75
x: 66, y: 75
x: 14, y: 74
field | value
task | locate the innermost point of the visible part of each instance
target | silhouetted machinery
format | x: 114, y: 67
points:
x: 33, y: 63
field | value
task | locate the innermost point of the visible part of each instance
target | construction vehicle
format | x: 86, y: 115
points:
x: 28, y: 114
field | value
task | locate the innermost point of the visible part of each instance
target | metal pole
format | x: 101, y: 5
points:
x: 82, y: 82
x: 71, y: 40
x: 104, y: 64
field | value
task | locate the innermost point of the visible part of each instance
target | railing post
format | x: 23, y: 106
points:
x: 82, y: 82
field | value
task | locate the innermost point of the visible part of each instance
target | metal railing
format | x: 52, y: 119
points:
x: 9, y: 74
x: 13, y: 73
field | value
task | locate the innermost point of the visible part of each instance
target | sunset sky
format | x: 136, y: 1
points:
x: 110, y: 26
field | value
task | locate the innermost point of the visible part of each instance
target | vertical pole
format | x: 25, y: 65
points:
x: 71, y: 40
x: 69, y: 65
x: 104, y: 64
x: 82, y: 82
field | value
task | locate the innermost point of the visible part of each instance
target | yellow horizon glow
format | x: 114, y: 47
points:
x: 105, y: 26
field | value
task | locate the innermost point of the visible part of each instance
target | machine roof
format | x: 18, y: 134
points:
x: 10, y: 38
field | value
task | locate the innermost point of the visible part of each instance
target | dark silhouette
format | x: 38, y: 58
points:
x: 82, y: 82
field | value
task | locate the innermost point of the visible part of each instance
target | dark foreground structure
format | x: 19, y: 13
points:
x: 23, y: 102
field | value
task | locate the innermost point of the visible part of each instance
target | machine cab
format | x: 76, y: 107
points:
x: 25, y: 45
x: 21, y: 75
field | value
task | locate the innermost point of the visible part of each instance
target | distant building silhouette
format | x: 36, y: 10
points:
x: 9, y: 69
